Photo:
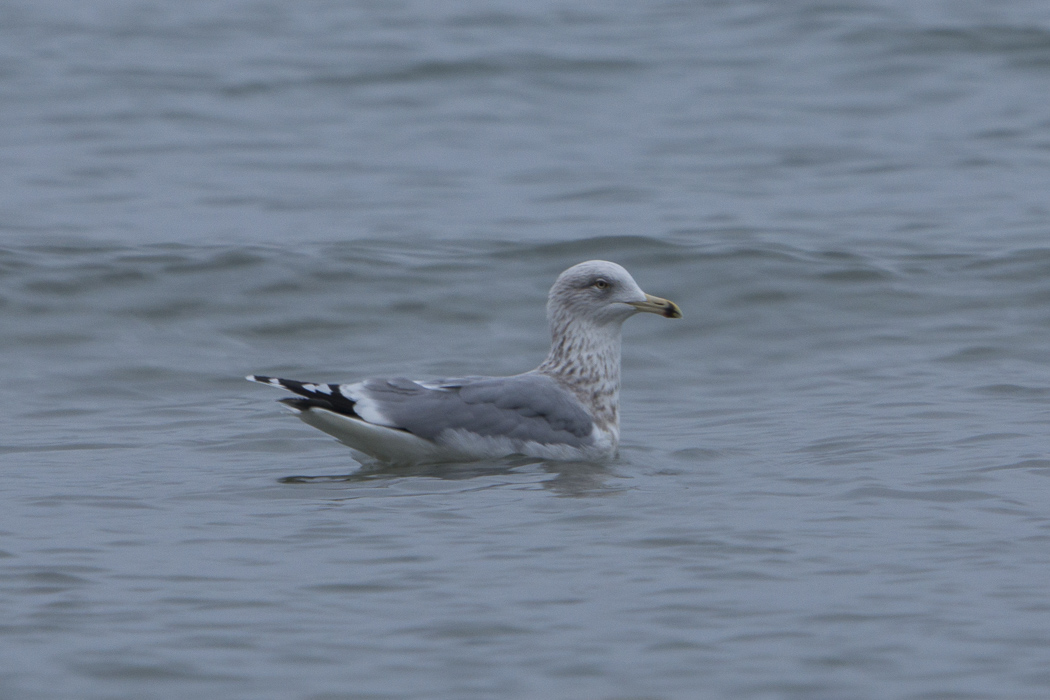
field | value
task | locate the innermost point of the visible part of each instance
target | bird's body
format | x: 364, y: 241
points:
x: 565, y: 409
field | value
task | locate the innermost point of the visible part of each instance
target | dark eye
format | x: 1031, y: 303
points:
x: 600, y: 284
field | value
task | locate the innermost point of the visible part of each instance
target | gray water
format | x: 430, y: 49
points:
x: 833, y: 474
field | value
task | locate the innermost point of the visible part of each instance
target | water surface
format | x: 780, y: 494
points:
x: 833, y: 474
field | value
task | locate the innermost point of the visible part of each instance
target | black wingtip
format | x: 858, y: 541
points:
x: 311, y: 395
x: 306, y: 404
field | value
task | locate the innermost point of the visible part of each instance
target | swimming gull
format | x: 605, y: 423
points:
x: 565, y: 409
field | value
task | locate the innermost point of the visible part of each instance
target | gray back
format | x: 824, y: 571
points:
x: 528, y: 407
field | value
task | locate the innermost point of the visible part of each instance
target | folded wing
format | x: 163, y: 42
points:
x: 530, y: 408
x: 527, y: 407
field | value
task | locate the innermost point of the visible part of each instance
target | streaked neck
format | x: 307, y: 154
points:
x: 586, y: 358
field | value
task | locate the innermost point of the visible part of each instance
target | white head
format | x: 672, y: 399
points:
x: 600, y: 293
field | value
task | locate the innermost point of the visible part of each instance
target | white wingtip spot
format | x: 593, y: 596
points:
x: 273, y: 381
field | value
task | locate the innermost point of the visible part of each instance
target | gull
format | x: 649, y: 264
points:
x: 566, y: 409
